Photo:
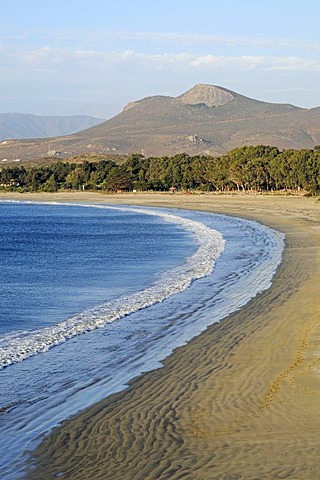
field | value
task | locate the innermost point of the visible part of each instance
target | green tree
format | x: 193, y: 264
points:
x: 50, y: 185
x: 75, y: 179
x: 118, y: 179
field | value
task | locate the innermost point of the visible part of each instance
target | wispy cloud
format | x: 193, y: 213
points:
x: 95, y: 58
x: 43, y: 55
x: 209, y: 39
x: 264, y: 63
x: 10, y: 35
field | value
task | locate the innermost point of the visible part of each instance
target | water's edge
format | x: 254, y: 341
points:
x: 210, y: 243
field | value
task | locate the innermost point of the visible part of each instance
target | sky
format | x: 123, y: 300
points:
x: 67, y: 57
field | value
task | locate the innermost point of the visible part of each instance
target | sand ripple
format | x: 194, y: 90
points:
x: 241, y: 401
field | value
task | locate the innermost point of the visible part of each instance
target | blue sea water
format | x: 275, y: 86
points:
x: 92, y: 296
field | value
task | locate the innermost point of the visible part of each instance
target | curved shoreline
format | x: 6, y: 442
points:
x: 240, y: 401
x: 210, y: 244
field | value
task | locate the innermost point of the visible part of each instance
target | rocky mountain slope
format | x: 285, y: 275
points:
x: 204, y: 120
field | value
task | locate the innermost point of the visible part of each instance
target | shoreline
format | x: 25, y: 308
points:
x: 240, y: 401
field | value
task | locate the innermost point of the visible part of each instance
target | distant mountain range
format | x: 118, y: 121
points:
x: 21, y: 125
x: 204, y: 120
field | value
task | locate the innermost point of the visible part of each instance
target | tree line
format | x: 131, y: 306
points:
x: 248, y: 168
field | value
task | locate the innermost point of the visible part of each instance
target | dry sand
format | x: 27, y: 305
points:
x: 241, y: 401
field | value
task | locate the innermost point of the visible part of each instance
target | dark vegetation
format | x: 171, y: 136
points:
x: 256, y: 169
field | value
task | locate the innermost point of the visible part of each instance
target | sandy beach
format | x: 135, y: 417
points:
x: 240, y: 401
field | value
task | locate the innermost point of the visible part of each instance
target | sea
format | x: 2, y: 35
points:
x: 91, y: 296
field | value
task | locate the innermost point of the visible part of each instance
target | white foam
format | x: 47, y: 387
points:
x: 19, y: 346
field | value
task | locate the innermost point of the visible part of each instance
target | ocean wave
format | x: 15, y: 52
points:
x: 18, y: 346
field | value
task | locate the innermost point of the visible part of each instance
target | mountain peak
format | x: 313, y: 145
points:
x: 210, y: 95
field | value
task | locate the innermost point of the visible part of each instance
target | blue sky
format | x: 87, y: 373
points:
x: 93, y: 57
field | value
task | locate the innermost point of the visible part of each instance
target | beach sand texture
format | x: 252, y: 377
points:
x: 240, y: 401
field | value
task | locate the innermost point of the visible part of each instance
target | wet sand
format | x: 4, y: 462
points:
x: 241, y: 401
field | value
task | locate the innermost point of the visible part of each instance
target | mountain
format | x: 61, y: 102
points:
x: 20, y: 125
x: 204, y: 120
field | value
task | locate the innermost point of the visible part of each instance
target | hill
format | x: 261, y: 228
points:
x: 204, y: 120
x: 20, y: 125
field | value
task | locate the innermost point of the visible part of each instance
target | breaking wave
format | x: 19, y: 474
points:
x: 18, y: 346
